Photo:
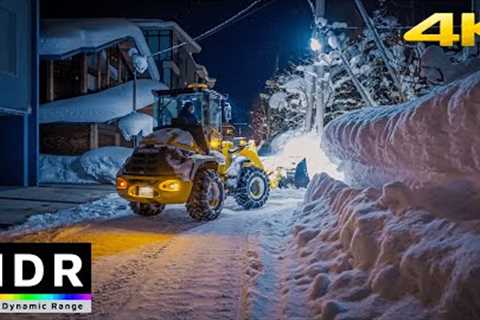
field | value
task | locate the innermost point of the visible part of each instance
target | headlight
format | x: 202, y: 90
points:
x: 122, y: 183
x: 215, y: 143
x: 170, y: 186
x: 243, y: 142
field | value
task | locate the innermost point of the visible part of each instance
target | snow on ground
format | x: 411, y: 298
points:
x: 291, y: 147
x: 431, y: 144
x: 100, y: 107
x: 403, y: 242
x: 96, y: 166
x: 170, y: 267
x: 365, y: 254
x: 59, y: 37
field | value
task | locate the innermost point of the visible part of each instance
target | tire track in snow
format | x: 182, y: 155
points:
x: 269, y: 268
x: 198, y: 276
x: 226, y: 269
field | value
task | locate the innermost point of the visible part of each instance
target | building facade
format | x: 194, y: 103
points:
x: 173, y: 51
x: 86, y: 75
x: 19, y: 92
x: 37, y: 77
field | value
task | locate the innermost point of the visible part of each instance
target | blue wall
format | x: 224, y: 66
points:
x: 19, y: 132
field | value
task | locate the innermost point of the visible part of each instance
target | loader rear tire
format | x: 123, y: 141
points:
x: 253, y: 188
x: 147, y: 210
x: 208, y: 194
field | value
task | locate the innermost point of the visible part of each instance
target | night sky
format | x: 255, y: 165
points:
x: 243, y: 56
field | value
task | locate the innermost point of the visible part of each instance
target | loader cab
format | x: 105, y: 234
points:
x: 210, y: 107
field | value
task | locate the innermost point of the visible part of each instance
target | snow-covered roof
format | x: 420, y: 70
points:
x: 160, y: 24
x: 61, y: 38
x: 100, y: 107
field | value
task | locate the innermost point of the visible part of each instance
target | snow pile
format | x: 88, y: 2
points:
x: 368, y: 254
x: 62, y: 169
x: 135, y: 124
x: 68, y: 36
x: 431, y: 144
x: 293, y: 146
x: 96, y: 166
x: 170, y: 136
x: 107, y: 208
x: 100, y: 107
x: 103, y: 164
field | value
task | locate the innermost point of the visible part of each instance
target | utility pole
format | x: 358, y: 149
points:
x: 317, y: 102
x: 136, y: 139
x: 361, y: 89
x: 386, y: 55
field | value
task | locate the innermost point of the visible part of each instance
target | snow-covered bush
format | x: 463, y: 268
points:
x: 96, y: 166
x: 281, y: 108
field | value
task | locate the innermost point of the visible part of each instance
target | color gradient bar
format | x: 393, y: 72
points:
x: 44, y: 297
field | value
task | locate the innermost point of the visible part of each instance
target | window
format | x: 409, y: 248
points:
x: 215, y: 110
x: 159, y: 40
x: 8, y: 42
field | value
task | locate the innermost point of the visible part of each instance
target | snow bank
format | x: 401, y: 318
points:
x: 62, y: 169
x: 136, y: 124
x: 96, y: 166
x: 368, y: 254
x: 65, y: 36
x: 100, y: 107
x: 431, y: 144
x: 291, y: 147
x: 103, y: 164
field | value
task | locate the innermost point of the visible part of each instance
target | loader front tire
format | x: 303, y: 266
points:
x: 253, y: 188
x: 208, y: 194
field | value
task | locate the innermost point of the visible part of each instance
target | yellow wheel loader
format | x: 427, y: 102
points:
x: 194, y: 164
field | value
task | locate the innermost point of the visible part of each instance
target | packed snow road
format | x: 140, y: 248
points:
x: 170, y: 267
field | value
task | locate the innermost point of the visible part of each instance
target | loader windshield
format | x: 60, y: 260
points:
x: 207, y: 109
x: 169, y: 108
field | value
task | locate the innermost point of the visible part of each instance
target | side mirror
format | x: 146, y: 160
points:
x: 227, y: 111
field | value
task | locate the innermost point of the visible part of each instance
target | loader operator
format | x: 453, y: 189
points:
x: 187, y: 115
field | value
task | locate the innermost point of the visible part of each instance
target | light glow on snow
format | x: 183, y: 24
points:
x: 293, y: 146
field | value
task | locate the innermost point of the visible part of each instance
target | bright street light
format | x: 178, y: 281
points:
x: 315, y: 45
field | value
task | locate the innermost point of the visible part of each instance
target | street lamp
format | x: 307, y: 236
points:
x: 140, y: 65
x: 315, y: 44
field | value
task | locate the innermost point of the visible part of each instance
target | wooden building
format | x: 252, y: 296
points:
x: 79, y: 61
x: 86, y: 78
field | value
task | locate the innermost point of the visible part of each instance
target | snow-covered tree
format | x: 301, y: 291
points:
x: 355, y: 72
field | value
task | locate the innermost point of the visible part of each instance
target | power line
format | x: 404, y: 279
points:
x: 215, y: 29
x: 246, y: 15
